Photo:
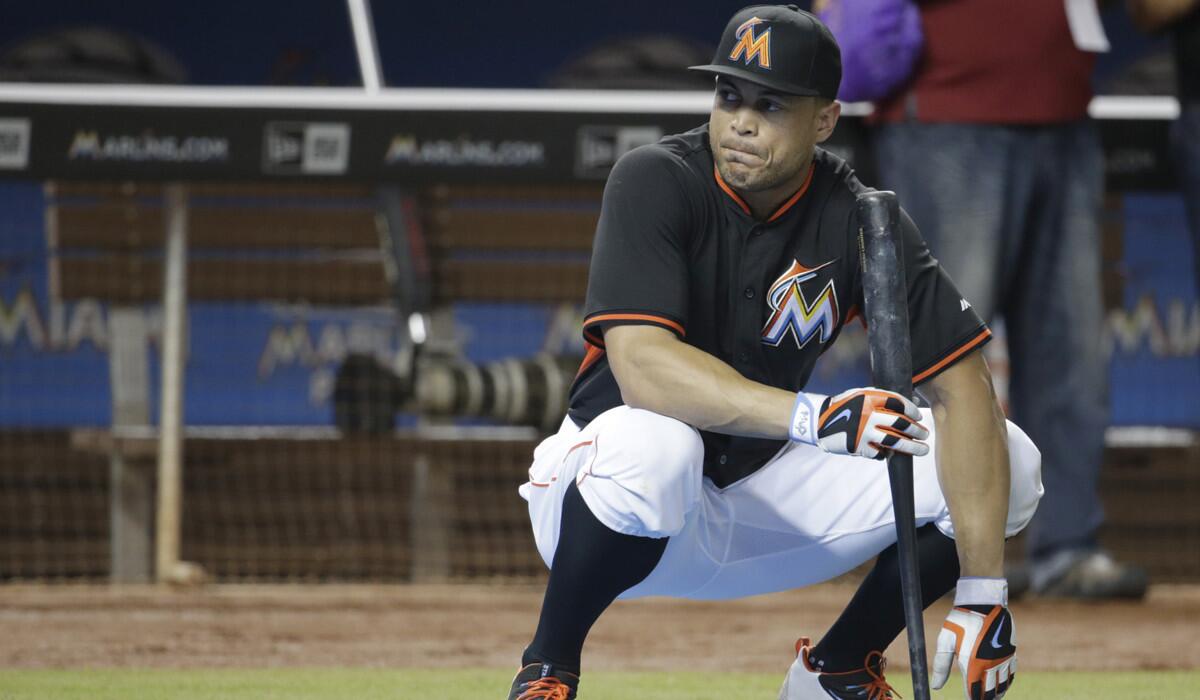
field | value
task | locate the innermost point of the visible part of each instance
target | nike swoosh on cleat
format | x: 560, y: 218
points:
x: 996, y: 636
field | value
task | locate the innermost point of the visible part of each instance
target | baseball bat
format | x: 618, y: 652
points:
x: 885, y: 295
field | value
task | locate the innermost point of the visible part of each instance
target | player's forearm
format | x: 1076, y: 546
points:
x: 1152, y: 15
x: 677, y: 380
x: 973, y: 466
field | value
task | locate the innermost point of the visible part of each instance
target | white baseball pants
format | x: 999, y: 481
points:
x: 805, y: 517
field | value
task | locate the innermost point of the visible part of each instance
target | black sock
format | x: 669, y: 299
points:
x: 875, y: 616
x: 592, y: 566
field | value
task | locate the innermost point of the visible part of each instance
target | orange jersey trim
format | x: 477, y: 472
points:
x: 949, y: 359
x: 590, y: 338
x: 729, y: 191
x: 783, y: 207
x: 796, y: 197
x: 853, y: 314
x: 593, y: 355
x: 659, y: 320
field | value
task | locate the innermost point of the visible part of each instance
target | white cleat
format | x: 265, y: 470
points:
x: 803, y: 682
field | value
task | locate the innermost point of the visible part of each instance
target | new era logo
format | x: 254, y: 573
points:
x: 599, y: 146
x: 326, y: 148
x: 306, y: 148
x: 14, y: 144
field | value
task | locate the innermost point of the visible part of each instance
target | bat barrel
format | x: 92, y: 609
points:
x: 885, y: 292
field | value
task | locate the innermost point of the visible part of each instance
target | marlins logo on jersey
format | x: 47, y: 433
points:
x: 794, y: 314
x: 751, y: 47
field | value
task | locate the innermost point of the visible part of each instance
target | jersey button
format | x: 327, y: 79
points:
x: 723, y: 459
x: 748, y: 292
x: 743, y: 357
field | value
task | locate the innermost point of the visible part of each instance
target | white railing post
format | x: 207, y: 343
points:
x: 365, y: 44
x: 170, y: 423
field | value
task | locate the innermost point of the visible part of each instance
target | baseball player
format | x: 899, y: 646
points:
x: 692, y: 463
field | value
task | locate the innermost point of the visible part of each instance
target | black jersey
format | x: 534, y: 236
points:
x: 676, y: 247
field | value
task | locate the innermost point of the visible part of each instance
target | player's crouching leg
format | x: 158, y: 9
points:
x: 1025, y: 487
x: 645, y: 473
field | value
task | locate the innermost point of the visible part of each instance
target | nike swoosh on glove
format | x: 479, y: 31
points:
x: 982, y: 640
x: 864, y: 422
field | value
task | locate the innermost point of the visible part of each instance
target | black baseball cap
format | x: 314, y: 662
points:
x: 781, y: 47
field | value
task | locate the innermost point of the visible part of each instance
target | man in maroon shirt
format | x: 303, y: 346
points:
x: 990, y: 150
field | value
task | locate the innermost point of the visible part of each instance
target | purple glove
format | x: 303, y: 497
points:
x: 880, y: 41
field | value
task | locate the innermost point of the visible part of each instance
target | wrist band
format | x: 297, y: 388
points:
x: 981, y: 591
x: 804, y: 420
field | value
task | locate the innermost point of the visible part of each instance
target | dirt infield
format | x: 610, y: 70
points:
x: 482, y: 626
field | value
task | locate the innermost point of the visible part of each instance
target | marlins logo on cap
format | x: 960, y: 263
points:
x: 752, y: 47
x: 781, y: 47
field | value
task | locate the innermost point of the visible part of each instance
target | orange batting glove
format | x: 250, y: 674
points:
x: 866, y: 422
x: 980, y: 637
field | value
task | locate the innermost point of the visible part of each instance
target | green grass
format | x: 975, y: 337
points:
x: 374, y: 684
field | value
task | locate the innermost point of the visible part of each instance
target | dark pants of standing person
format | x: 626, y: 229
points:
x: 1013, y: 215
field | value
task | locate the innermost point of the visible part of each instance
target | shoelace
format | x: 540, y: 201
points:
x: 878, y: 688
x: 549, y: 688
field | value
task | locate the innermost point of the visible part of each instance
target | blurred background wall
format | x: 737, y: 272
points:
x: 522, y: 44
x: 310, y: 451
